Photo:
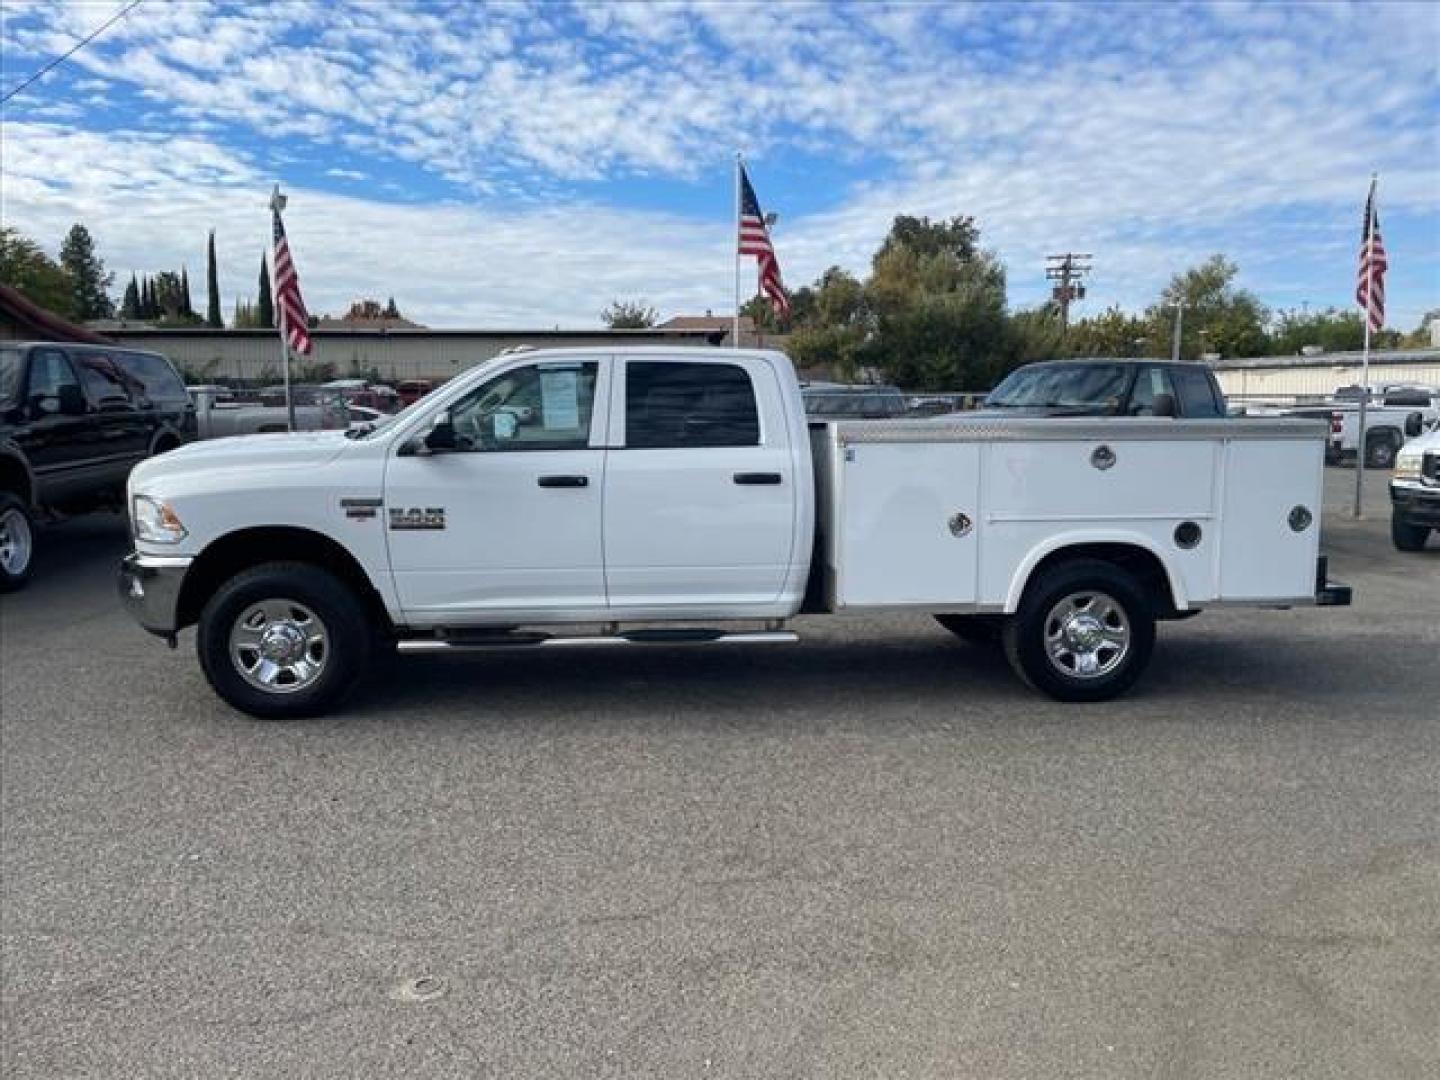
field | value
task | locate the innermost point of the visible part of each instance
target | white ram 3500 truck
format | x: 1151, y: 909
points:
x: 670, y: 496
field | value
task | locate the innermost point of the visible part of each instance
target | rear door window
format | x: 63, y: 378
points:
x: 106, y: 384
x: 156, y: 378
x: 673, y: 404
x: 1195, y: 394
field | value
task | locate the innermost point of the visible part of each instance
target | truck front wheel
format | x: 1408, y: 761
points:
x: 1407, y: 537
x: 283, y: 640
x: 1084, y: 631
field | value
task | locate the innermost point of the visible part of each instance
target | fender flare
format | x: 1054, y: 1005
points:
x: 1128, y: 538
x: 164, y: 431
x: 11, y: 452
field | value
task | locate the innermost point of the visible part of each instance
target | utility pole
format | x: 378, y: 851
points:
x: 1068, y: 272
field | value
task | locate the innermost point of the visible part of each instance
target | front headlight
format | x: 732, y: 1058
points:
x: 1407, y: 465
x: 155, y: 522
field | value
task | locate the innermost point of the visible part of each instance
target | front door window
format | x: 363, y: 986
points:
x: 542, y: 407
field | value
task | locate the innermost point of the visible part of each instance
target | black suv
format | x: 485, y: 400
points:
x: 74, y: 419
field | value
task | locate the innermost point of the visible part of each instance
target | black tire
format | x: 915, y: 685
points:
x: 1026, y: 634
x: 1380, y: 451
x: 344, y: 627
x: 1407, y: 537
x: 974, y: 629
x: 17, y: 552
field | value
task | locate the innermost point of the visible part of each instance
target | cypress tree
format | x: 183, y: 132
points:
x: 184, y: 307
x: 147, y: 299
x: 130, y: 304
x: 267, y: 302
x: 212, y: 287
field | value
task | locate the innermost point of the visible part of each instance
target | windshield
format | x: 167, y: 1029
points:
x: 1087, y: 387
x: 9, y: 374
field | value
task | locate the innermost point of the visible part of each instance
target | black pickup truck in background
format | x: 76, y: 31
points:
x: 74, y: 420
x: 1105, y: 387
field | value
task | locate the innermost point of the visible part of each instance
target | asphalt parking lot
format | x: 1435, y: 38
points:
x: 874, y: 854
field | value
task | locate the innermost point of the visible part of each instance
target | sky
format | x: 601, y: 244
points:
x: 523, y: 164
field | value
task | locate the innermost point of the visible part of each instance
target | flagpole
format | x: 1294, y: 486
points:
x: 735, y: 324
x: 277, y: 203
x: 1365, y: 355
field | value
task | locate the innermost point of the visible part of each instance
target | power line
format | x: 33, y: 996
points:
x: 78, y: 46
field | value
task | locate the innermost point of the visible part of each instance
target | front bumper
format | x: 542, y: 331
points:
x: 1415, y: 504
x: 150, y: 590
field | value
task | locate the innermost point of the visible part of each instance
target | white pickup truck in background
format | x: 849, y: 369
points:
x: 678, y: 496
x: 219, y: 413
x: 1389, y: 423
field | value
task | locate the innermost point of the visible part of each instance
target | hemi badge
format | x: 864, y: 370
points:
x: 361, y: 509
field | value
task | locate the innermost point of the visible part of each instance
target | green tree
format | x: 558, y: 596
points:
x: 629, y: 315
x: 212, y: 287
x: 1219, y: 317
x: 935, y: 305
x: 187, y: 309
x: 1111, y: 333
x: 1036, y: 334
x: 25, y: 266
x: 89, y: 281
x: 265, y: 302
x: 130, y: 303
x: 831, y: 352
x: 1419, y: 338
x: 957, y: 238
x: 1331, y: 330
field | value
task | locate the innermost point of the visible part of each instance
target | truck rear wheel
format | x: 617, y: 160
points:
x: 1084, y: 631
x: 1407, y: 537
x: 283, y: 640
x: 973, y: 629
x: 17, y: 542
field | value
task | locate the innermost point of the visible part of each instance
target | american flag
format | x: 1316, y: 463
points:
x: 1370, y: 288
x: 755, y: 240
x: 294, y: 322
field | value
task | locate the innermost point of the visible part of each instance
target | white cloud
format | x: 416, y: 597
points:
x: 447, y: 265
x: 1150, y: 134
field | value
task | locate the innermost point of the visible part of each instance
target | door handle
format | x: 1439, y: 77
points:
x: 564, y: 481
x: 757, y: 478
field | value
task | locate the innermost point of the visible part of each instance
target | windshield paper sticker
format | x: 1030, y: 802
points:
x: 560, y: 400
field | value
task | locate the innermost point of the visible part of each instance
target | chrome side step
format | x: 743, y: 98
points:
x: 679, y: 636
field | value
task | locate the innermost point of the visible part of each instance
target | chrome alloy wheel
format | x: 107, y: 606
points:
x: 279, y: 646
x: 16, y: 542
x: 1087, y: 635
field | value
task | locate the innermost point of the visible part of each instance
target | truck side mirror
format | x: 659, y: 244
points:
x: 70, y: 399
x: 1414, y: 424
x: 441, y: 435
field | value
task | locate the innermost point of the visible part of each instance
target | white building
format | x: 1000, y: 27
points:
x: 1318, y: 376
